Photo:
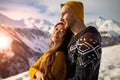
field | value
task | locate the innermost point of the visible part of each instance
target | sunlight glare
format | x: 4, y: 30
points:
x: 4, y: 41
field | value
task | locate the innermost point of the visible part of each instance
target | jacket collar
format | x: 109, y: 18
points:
x: 76, y: 37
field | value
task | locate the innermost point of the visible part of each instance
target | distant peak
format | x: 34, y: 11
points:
x: 31, y: 18
x: 101, y: 18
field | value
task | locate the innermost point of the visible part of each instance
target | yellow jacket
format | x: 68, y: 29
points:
x: 58, y: 69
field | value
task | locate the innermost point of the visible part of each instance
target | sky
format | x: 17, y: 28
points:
x: 50, y: 9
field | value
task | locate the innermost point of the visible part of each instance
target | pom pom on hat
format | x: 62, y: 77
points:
x: 76, y: 8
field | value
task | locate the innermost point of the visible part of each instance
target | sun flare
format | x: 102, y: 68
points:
x: 4, y: 41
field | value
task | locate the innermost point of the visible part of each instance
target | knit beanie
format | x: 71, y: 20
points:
x: 76, y: 8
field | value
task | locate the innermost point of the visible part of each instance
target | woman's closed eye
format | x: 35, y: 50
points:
x: 62, y: 31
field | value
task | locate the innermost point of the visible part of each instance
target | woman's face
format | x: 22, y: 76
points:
x: 58, y: 33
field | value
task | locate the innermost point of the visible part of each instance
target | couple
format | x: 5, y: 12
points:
x: 76, y: 50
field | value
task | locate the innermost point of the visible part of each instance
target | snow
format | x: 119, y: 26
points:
x: 109, y: 69
x: 22, y: 76
x: 109, y: 25
x: 110, y: 63
x: 105, y: 25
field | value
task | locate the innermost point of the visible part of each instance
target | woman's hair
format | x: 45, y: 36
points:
x: 61, y: 46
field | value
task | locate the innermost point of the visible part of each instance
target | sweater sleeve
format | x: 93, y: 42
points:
x: 34, y: 68
x: 87, y: 62
x: 59, y: 66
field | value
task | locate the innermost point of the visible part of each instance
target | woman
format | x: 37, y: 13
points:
x: 52, y: 64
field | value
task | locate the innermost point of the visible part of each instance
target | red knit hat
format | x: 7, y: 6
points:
x: 60, y: 23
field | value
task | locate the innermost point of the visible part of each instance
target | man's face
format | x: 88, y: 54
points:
x: 67, y: 17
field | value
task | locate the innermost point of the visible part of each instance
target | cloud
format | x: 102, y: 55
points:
x: 18, y: 9
x: 17, y: 12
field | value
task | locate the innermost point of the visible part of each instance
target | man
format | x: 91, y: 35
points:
x: 84, y: 49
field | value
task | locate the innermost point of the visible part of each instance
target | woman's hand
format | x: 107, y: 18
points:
x: 39, y: 75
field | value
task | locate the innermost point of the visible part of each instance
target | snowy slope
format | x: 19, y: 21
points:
x: 109, y: 69
x: 26, y: 47
x: 21, y: 76
x: 110, y: 63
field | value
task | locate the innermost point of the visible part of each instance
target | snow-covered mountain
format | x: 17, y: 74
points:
x: 103, y: 24
x: 109, y: 29
x: 41, y: 24
x: 29, y: 40
x: 25, y: 28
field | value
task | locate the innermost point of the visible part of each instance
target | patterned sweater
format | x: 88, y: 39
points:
x: 84, y: 54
